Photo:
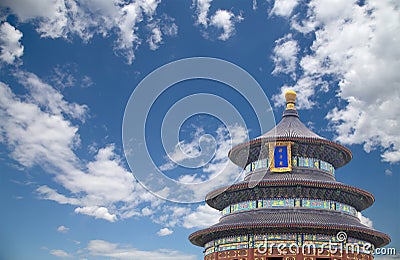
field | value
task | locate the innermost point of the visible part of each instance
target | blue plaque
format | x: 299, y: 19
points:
x: 280, y: 157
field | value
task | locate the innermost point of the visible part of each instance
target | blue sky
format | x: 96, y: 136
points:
x: 68, y: 69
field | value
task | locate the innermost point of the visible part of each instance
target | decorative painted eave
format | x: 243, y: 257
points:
x: 224, y: 196
x: 289, y: 221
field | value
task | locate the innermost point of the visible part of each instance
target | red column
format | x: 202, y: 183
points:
x: 344, y: 254
x: 299, y: 256
x: 250, y: 254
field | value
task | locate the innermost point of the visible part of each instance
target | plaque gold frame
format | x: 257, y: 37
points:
x: 272, y: 160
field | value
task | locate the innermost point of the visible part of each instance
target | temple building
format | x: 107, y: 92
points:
x: 289, y: 205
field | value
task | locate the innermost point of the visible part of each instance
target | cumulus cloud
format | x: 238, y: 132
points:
x: 362, y: 51
x: 202, y: 9
x: 285, y: 56
x: 225, y: 20
x: 202, y: 216
x: 305, y: 88
x: 284, y: 7
x: 68, y: 18
x: 222, y: 19
x: 364, y: 220
x: 158, y: 28
x: 97, y: 212
x: 112, y: 250
x: 35, y: 137
x: 355, y: 50
x: 146, y: 211
x: 388, y: 172
x: 59, y: 253
x: 206, y: 152
x: 62, y: 229
x: 155, y: 38
x: 191, y: 153
x: 164, y: 232
x: 190, y: 216
x: 50, y: 194
x: 11, y: 48
x: 206, y: 155
x: 171, y: 215
x: 38, y: 131
x: 47, y: 97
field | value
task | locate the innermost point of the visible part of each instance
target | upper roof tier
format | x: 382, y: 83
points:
x: 306, y: 143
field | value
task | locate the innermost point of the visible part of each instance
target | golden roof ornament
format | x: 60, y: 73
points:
x: 290, y: 97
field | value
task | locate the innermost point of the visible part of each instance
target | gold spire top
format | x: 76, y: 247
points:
x: 290, y: 97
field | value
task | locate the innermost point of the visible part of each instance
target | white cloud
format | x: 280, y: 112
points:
x: 362, y: 50
x: 62, y: 229
x: 203, y: 216
x: 325, y: 12
x: 62, y: 76
x: 207, y: 154
x: 171, y: 215
x: 68, y: 18
x: 10, y: 47
x: 284, y: 7
x: 202, y: 9
x: 86, y: 82
x: 59, y: 253
x: 364, y: 220
x: 388, y: 172
x: 305, y: 88
x: 254, y: 5
x: 46, y: 96
x: 65, y: 76
x: 159, y: 28
x: 225, y: 20
x: 164, y: 232
x: 106, y: 249
x: 222, y: 19
x: 38, y: 133
x: 356, y: 50
x: 285, y: 55
x: 97, y: 212
x: 128, y: 41
x: 170, y: 29
x: 35, y: 137
x: 53, y: 15
x: 155, y: 38
x: 49, y: 194
x: 205, y: 149
x: 146, y: 211
x: 194, y: 153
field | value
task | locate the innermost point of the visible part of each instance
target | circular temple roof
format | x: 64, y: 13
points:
x: 297, y: 183
x: 290, y: 128
x: 295, y: 220
x: 223, y: 197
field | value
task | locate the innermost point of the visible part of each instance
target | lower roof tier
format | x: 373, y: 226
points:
x: 335, y: 191
x: 288, y: 220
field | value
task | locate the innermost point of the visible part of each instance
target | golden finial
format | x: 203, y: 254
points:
x: 290, y: 97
